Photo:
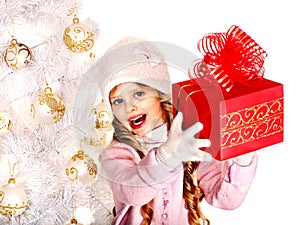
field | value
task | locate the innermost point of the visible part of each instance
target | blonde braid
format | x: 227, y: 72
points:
x: 147, y: 213
x: 193, y: 196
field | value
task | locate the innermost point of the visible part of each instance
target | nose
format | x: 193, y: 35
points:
x: 131, y: 106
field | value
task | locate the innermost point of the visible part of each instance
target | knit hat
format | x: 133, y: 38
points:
x: 133, y: 60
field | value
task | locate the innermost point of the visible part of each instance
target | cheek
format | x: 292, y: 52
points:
x: 118, y: 112
x: 121, y: 116
x: 154, y: 109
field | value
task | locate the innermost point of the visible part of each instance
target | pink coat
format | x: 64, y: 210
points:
x: 135, y: 182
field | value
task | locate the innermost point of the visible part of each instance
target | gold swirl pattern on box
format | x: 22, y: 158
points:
x: 252, y: 123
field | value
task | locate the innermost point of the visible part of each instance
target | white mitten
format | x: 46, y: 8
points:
x: 182, y: 146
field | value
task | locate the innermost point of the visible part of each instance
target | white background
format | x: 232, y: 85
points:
x: 274, y: 196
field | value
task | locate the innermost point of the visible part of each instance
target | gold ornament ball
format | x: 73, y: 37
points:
x: 48, y: 108
x: 103, y: 123
x: 17, y: 55
x: 5, y: 122
x: 103, y: 117
x: 13, y: 199
x: 81, y: 167
x: 78, y: 37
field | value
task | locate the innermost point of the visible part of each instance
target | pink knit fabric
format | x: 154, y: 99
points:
x: 136, y: 181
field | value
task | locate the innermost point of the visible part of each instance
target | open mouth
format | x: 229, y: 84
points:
x: 138, y: 121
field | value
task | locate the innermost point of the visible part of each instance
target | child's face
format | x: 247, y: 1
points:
x: 137, y: 107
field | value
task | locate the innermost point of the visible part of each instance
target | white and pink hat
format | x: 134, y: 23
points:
x: 133, y: 60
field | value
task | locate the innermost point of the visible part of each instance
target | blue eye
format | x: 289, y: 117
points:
x: 139, y: 94
x: 117, y: 101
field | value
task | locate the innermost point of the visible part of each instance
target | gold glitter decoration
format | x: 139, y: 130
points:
x: 103, y: 123
x: 78, y: 37
x: 50, y: 108
x: 13, y: 199
x: 82, y: 167
x: 252, y: 123
x: 103, y: 118
x: 17, y: 55
x: 91, y: 141
x: 5, y: 123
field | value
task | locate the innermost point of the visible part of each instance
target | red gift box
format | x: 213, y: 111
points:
x: 236, y: 122
x: 240, y: 110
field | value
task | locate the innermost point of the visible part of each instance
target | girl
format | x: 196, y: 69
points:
x: 155, y: 169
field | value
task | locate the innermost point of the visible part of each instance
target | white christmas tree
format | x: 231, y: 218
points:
x: 47, y: 132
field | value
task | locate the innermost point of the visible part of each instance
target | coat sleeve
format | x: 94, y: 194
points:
x: 226, y: 184
x: 133, y: 181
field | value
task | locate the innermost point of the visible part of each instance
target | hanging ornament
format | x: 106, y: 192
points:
x: 73, y: 221
x: 103, y: 123
x: 81, y: 167
x: 13, y: 199
x: 17, y: 55
x: 103, y: 120
x: 49, y: 108
x: 78, y: 37
x: 5, y: 123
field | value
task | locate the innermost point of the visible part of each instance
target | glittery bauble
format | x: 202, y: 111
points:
x: 81, y: 167
x: 74, y: 222
x: 13, y: 199
x: 103, y: 118
x: 5, y: 123
x: 17, y: 55
x: 49, y: 108
x: 78, y: 37
x: 103, y: 123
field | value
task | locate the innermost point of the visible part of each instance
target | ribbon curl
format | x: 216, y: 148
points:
x: 230, y: 57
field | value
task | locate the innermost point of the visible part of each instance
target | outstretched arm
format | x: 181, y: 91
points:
x: 226, y: 183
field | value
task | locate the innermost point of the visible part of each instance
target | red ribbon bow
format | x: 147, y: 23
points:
x: 231, y: 57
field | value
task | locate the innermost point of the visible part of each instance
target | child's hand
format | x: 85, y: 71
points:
x: 182, y: 146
